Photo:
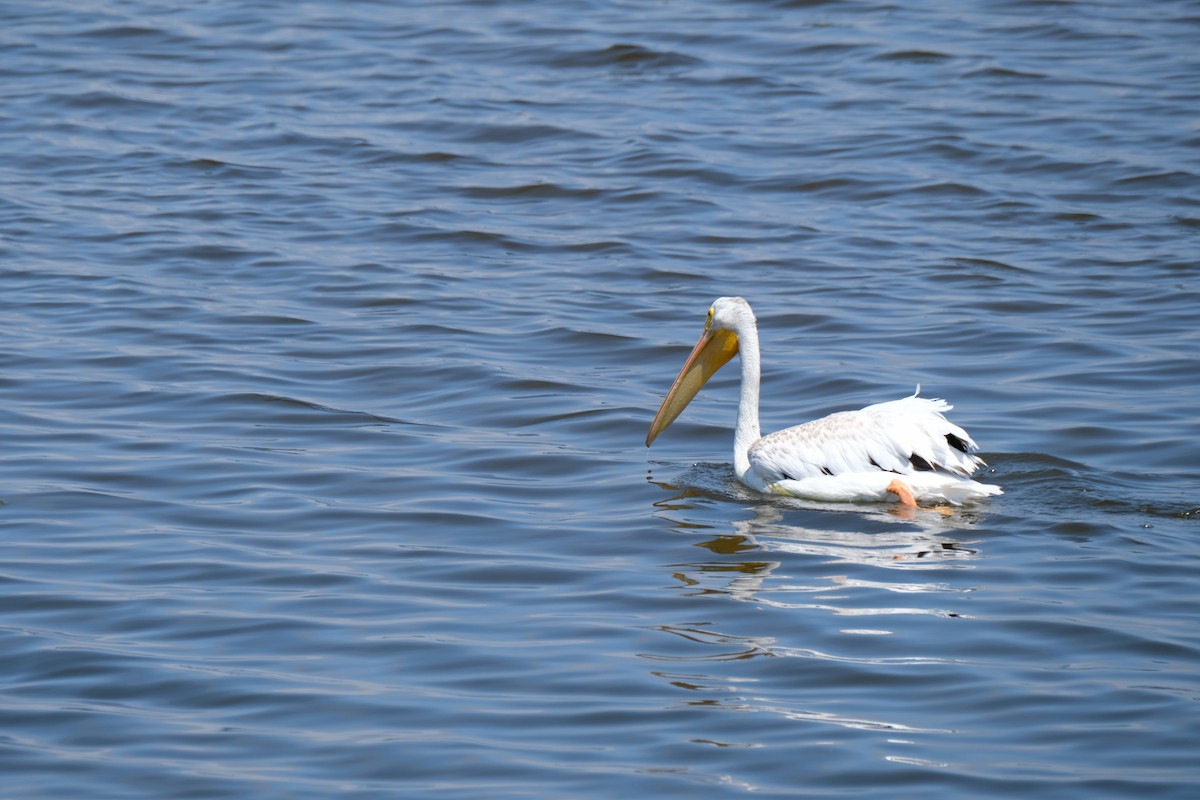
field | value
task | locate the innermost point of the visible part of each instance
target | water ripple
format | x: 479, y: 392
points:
x: 331, y: 342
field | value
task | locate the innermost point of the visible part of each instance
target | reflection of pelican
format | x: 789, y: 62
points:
x: 904, y: 447
x: 769, y: 546
x: 908, y: 548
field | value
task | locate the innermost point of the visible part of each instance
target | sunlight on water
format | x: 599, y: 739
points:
x: 332, y: 337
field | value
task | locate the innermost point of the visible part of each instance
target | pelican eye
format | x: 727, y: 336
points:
x: 708, y: 322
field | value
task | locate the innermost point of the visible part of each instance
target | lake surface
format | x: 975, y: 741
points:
x: 331, y: 334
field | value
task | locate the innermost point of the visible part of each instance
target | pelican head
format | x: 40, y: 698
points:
x: 717, y: 345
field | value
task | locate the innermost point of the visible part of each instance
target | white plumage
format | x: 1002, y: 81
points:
x: 904, y: 448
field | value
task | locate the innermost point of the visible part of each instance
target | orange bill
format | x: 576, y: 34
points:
x: 712, y: 352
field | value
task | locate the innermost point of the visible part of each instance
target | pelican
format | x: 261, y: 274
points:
x: 906, y: 448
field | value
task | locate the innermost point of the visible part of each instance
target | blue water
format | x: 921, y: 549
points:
x: 331, y: 334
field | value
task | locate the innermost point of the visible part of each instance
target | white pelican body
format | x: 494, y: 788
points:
x: 904, y: 448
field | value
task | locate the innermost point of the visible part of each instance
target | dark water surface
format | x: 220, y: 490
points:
x: 331, y: 333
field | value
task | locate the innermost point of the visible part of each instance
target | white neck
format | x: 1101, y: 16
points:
x: 747, y: 431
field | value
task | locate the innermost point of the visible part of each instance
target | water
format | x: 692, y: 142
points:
x: 331, y: 334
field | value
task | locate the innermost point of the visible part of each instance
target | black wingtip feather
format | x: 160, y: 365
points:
x: 956, y: 442
x: 920, y: 464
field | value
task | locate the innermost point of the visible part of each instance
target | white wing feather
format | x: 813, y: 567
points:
x: 903, y: 437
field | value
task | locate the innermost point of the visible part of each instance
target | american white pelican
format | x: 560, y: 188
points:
x: 905, y: 448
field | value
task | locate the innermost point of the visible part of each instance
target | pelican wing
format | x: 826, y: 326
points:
x: 901, y: 436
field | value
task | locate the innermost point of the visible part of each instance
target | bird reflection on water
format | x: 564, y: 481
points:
x: 750, y: 557
x: 866, y: 534
x: 803, y: 570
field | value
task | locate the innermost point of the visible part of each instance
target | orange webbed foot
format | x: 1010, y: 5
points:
x: 903, y: 493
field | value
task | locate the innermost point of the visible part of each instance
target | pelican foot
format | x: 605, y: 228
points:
x: 901, y: 490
